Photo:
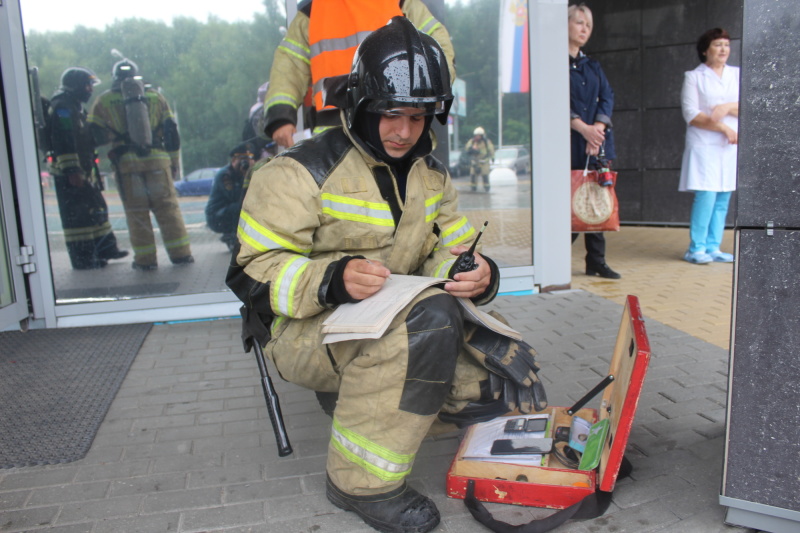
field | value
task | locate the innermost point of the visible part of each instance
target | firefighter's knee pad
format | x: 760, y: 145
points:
x: 435, y: 330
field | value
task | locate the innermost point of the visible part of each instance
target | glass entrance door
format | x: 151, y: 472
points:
x: 13, y: 302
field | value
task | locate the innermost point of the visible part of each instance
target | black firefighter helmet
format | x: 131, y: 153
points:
x: 399, y: 66
x: 75, y: 79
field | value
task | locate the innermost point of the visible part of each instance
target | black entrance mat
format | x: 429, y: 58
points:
x: 56, y: 386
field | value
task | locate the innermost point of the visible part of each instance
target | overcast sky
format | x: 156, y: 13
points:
x: 62, y: 15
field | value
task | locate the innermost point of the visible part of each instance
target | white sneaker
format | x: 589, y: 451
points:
x: 698, y: 258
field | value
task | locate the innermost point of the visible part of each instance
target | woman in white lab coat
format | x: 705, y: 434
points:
x: 710, y: 104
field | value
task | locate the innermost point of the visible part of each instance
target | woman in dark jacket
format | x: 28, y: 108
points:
x: 591, y: 104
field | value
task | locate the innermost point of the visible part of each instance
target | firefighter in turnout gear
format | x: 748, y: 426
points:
x: 83, y: 210
x: 145, y: 145
x: 319, y: 44
x: 481, y: 153
x: 326, y: 222
x: 225, y: 200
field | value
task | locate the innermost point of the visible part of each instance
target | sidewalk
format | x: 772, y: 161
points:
x: 187, y: 445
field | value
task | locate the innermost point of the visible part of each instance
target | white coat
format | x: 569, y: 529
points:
x: 709, y: 160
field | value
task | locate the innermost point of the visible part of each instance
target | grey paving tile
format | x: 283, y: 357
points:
x: 180, y: 500
x: 99, y: 509
x: 165, y: 522
x: 80, y: 527
x: 112, y: 471
x: 187, y: 462
x: 263, y: 490
x: 14, y: 499
x: 237, y: 515
x: 24, y: 478
x: 69, y: 493
x: 153, y: 483
x: 224, y: 476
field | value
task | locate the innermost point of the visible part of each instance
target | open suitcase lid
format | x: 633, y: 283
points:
x: 620, y: 398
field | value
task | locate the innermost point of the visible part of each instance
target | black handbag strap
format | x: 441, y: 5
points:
x: 592, y: 506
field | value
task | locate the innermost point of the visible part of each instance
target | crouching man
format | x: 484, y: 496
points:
x: 326, y: 222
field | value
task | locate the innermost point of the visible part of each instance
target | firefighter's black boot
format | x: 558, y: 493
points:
x: 403, y: 510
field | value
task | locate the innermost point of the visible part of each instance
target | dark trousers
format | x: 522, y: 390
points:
x: 595, y: 248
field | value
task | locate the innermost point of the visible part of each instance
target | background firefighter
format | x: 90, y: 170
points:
x: 145, y: 169
x: 481, y: 153
x: 225, y: 200
x: 325, y: 223
x: 320, y: 43
x: 83, y: 210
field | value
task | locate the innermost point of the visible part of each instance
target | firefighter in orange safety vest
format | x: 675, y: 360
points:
x: 325, y: 223
x: 319, y: 44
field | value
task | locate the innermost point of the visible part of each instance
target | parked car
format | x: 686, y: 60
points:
x: 517, y: 158
x: 196, y: 183
x: 459, y: 163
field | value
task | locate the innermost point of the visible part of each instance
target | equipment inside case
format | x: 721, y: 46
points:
x: 554, y: 484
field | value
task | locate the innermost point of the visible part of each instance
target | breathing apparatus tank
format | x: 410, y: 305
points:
x: 136, y: 112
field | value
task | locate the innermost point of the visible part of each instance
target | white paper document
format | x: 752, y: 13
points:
x: 370, y: 318
x: 484, y: 434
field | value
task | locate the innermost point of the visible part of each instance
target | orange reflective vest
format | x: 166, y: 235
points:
x: 335, y: 30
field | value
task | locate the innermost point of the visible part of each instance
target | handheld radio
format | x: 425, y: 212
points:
x: 465, y: 262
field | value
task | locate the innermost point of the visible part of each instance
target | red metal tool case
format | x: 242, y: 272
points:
x: 556, y: 486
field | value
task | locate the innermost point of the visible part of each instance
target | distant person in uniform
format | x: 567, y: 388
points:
x: 480, y: 151
x: 84, y: 213
x: 319, y: 44
x: 225, y: 200
x: 145, y: 169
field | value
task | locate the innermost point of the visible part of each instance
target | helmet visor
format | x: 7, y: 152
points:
x: 415, y: 108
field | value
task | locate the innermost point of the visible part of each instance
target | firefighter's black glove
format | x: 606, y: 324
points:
x: 514, y: 362
x: 525, y: 399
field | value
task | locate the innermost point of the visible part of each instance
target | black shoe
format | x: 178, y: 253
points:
x: 115, y: 254
x: 403, y: 510
x: 185, y: 260
x: 604, y: 271
x: 146, y: 268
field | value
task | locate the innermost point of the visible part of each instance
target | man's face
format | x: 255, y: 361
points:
x: 242, y: 162
x: 400, y: 129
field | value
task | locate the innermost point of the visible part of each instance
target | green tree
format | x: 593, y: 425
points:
x: 208, y: 71
x: 474, y: 29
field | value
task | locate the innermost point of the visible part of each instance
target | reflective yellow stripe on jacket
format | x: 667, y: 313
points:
x: 261, y: 238
x: 432, y: 207
x: 344, y: 208
x: 298, y: 50
x: 443, y: 268
x: 375, y: 459
x: 285, y: 285
x: 457, y: 233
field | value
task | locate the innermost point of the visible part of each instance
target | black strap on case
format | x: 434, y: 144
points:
x: 591, y: 506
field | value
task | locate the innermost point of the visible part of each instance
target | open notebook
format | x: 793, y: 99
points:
x: 371, y: 317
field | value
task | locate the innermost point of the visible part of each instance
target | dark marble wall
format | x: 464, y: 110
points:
x: 763, y: 445
x: 769, y: 157
x: 645, y: 46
